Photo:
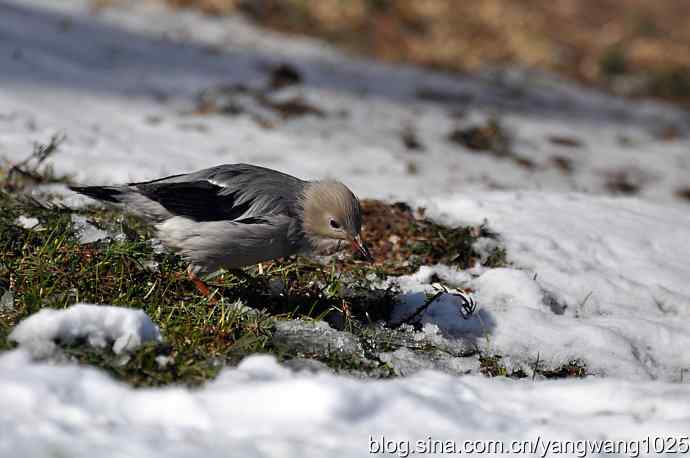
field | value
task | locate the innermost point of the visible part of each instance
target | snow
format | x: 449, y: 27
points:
x: 101, y: 325
x: 622, y: 251
x: 135, y: 74
x: 262, y: 409
x: 593, y: 277
x: 87, y: 232
x: 27, y: 222
x: 601, y: 280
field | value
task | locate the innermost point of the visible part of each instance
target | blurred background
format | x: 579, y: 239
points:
x: 635, y: 48
x: 433, y: 96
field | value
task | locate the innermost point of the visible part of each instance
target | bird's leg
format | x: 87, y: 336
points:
x: 200, y: 285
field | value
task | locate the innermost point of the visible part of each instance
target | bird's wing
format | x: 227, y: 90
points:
x: 237, y: 192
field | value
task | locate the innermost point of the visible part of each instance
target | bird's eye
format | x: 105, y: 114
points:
x: 334, y: 224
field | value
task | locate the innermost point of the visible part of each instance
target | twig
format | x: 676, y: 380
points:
x: 467, y: 307
x: 39, y: 154
x: 584, y: 301
x: 536, y: 366
x: 422, y: 308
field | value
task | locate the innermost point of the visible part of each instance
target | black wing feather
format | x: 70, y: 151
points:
x: 236, y: 192
x: 104, y: 193
x: 197, y: 200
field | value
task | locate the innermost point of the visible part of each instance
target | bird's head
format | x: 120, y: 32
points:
x: 332, y: 212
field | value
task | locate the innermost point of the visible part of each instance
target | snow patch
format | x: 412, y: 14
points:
x: 428, y: 274
x: 101, y: 325
x: 87, y: 232
x: 507, y: 288
x: 27, y: 222
x: 601, y: 280
x: 262, y: 409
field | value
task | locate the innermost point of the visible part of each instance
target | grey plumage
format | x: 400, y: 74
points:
x: 238, y: 214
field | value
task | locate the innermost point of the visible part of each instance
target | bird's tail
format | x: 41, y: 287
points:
x: 104, y: 193
x: 126, y: 196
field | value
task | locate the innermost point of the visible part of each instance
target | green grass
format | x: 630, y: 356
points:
x: 47, y: 267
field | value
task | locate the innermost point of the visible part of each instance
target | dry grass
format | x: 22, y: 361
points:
x: 595, y: 41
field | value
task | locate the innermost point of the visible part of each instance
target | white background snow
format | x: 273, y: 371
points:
x: 599, y: 278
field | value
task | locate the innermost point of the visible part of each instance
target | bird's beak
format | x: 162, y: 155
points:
x: 359, y: 245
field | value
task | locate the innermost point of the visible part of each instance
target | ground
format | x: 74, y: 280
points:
x: 631, y: 47
x: 562, y: 210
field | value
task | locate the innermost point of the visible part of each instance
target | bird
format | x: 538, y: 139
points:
x: 235, y: 215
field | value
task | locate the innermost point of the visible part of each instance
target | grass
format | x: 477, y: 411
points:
x: 47, y: 266
x: 492, y: 366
